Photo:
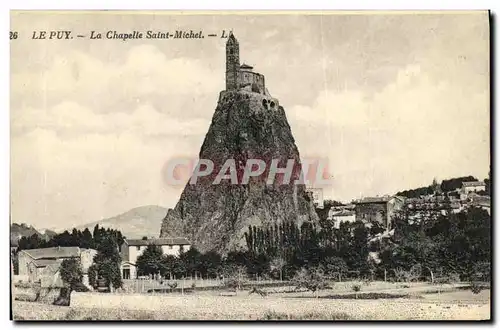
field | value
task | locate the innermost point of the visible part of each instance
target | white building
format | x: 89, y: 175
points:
x: 131, y: 249
x: 337, y: 217
x: 472, y: 186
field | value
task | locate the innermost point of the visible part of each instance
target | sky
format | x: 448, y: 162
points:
x: 391, y: 100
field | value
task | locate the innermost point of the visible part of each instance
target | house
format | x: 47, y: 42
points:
x: 471, y: 186
x: 32, y: 263
x: 483, y: 202
x: 131, y: 249
x: 316, y: 196
x: 378, y: 209
x: 337, y: 217
x: 50, y: 276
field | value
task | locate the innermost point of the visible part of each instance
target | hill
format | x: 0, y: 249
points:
x: 447, y: 185
x: 245, y: 126
x: 19, y: 230
x: 135, y: 223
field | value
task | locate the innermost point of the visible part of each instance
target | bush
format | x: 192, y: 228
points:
x: 272, y: 315
x: 475, y: 288
x: 235, y: 277
x: 370, y: 296
x: 80, y: 287
x: 97, y: 314
x: 356, y: 288
x: 313, y: 280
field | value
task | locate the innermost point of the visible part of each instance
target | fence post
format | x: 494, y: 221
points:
x: 385, y: 275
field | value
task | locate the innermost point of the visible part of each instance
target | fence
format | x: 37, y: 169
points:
x: 188, y: 284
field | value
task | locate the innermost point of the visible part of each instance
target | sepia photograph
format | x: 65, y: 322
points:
x: 250, y: 165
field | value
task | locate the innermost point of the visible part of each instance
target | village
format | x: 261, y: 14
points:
x: 43, y: 265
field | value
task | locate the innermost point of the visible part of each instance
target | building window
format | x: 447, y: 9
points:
x: 170, y: 247
x: 138, y: 248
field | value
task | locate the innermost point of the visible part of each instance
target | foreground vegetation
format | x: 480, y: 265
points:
x: 452, y: 305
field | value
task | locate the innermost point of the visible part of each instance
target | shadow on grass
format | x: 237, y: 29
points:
x: 370, y: 295
x: 272, y: 315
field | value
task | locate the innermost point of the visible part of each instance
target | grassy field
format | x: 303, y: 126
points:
x: 420, y: 303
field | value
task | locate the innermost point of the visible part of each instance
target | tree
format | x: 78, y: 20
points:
x: 356, y: 288
x: 107, y: 261
x: 150, y: 262
x: 335, y: 266
x: 487, y: 181
x: 191, y: 260
x: 355, y: 252
x: 71, y: 275
x: 278, y: 264
x: 210, y: 264
x: 313, y: 280
x: 15, y: 262
x: 31, y: 242
x: 86, y: 241
x: 97, y: 236
x: 92, y: 274
x: 235, y: 277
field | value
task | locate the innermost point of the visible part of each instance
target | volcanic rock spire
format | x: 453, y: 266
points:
x: 248, y: 124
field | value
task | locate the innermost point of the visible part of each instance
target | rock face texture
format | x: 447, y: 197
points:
x: 245, y: 125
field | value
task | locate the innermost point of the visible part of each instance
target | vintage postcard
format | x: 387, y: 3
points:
x: 250, y: 165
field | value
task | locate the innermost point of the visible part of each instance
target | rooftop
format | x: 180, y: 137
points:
x: 473, y: 184
x: 383, y: 199
x: 47, y: 262
x: 157, y: 241
x: 481, y: 200
x: 343, y: 213
x: 246, y: 66
x: 54, y: 252
x: 366, y: 200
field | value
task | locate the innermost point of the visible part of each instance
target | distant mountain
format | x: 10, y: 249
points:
x: 136, y: 223
x: 47, y: 232
x: 19, y: 230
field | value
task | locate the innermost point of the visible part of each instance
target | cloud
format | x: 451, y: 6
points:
x: 68, y: 181
x: 413, y: 129
x: 90, y: 138
x: 117, y: 85
x: 391, y: 101
x: 71, y: 118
